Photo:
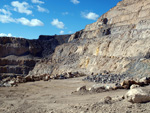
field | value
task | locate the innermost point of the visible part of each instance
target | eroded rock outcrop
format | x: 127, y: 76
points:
x: 118, y: 43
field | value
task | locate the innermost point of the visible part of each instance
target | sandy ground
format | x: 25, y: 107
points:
x: 56, y: 97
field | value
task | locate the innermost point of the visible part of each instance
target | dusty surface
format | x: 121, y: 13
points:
x: 55, y: 97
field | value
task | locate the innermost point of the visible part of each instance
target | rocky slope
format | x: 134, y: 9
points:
x: 19, y: 56
x: 117, y: 43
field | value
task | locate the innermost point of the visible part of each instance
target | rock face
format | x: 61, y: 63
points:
x: 19, y: 56
x: 117, y: 43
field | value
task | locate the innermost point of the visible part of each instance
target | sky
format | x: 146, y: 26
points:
x: 31, y: 18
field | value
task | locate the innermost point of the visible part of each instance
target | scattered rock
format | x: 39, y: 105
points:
x: 107, y: 100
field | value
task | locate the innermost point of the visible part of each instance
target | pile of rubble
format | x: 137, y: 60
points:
x: 126, y: 84
x: 135, y: 94
x: 9, y: 81
x: 105, y: 77
x: 68, y: 75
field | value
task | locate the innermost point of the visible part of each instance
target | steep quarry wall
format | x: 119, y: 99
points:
x: 118, y: 43
x: 18, y: 56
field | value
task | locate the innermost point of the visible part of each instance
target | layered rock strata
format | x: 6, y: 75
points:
x: 117, y: 43
x: 18, y: 56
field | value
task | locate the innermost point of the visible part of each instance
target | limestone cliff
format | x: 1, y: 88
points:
x: 118, y: 43
x: 18, y: 56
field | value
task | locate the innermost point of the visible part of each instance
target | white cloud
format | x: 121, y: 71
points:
x: 75, y: 1
x: 41, y: 9
x: 61, y: 32
x: 58, y: 24
x: 7, y: 35
x: 65, y: 13
x: 37, y: 1
x: 90, y: 15
x: 6, y: 19
x: 33, y: 22
x: 21, y: 7
x: 5, y: 16
x: 70, y: 32
x: 5, y: 12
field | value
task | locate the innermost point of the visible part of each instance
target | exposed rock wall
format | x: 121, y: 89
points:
x: 118, y: 43
x: 18, y: 56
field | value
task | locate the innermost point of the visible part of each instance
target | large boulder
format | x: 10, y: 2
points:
x: 137, y: 95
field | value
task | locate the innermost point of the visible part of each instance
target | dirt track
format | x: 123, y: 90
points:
x: 55, y: 97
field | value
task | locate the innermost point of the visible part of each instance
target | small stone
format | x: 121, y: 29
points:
x: 134, y: 86
x: 91, y: 89
x: 130, y: 106
x: 54, y: 101
x: 108, y: 87
x: 82, y: 88
x: 12, y: 82
x: 107, y: 100
x: 46, y: 78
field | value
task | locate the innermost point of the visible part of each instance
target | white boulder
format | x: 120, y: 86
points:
x: 137, y: 95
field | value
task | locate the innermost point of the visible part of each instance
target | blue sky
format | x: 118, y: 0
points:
x: 31, y: 18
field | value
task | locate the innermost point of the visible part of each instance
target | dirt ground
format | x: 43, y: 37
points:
x: 56, y: 96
